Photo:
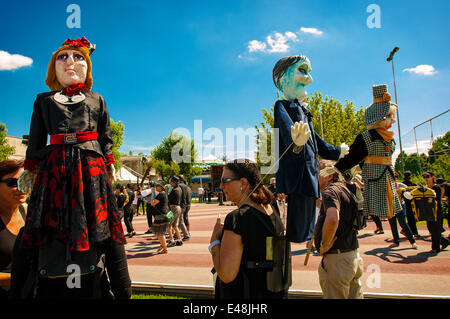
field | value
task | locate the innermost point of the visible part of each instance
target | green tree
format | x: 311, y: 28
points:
x: 437, y: 161
x: 263, y: 139
x: 148, y: 165
x: 413, y: 163
x: 166, y: 170
x: 117, y: 133
x: 441, y: 146
x: 334, y: 122
x: 441, y: 167
x: 5, y: 149
x: 175, y: 149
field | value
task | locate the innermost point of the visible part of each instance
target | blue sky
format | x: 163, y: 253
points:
x: 162, y: 65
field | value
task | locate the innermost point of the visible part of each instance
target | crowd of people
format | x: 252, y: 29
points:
x: 166, y: 206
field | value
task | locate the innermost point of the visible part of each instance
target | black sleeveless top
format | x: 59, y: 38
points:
x: 7, y: 240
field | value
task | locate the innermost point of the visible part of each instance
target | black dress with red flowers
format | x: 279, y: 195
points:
x: 72, y: 199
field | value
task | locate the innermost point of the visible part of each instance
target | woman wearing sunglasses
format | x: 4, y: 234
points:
x: 245, y: 247
x: 12, y: 217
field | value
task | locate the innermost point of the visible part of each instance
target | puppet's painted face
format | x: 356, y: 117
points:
x: 71, y: 67
x: 390, y: 119
x: 294, y: 80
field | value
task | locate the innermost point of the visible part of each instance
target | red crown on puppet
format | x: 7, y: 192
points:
x: 83, y: 42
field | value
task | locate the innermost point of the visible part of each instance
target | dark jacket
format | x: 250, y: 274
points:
x: 186, y: 195
x: 50, y: 117
x: 298, y: 173
x: 175, y: 196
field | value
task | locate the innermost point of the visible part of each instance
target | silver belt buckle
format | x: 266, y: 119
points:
x: 70, y: 139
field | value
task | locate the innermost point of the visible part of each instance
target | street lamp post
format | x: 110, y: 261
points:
x: 391, y: 59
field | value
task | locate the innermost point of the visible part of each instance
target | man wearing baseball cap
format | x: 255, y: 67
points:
x: 411, y: 219
x: 435, y: 227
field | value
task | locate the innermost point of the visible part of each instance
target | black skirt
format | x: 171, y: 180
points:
x: 72, y: 201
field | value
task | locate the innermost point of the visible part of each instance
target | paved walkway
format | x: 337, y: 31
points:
x: 388, y: 270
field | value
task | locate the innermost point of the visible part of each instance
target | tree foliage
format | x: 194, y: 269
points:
x: 175, y: 155
x: 117, y: 133
x: 437, y: 160
x: 5, y: 149
x: 441, y: 146
x: 334, y: 122
x: 166, y: 170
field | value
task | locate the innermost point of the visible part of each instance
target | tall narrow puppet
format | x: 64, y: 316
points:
x: 71, y: 199
x: 299, y: 145
x: 375, y: 147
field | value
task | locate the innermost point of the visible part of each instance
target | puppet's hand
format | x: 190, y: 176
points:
x: 111, y: 173
x: 300, y: 133
x: 26, y: 181
x: 344, y: 150
x: 327, y: 171
x: 408, y: 195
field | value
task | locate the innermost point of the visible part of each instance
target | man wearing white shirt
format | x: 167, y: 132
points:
x: 201, y: 191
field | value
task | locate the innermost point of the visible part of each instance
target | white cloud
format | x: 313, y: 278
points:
x: 311, y: 30
x: 13, y: 61
x: 256, y: 45
x: 276, y: 42
x: 423, y: 69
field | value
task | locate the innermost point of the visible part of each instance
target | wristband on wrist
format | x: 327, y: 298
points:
x: 214, y: 243
x: 325, y: 247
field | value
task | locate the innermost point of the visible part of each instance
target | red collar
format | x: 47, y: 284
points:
x: 74, y: 89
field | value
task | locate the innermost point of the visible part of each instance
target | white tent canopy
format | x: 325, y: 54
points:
x: 211, y: 159
x: 124, y: 175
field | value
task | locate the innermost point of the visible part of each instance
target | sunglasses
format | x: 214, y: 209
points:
x: 426, y: 176
x: 229, y: 179
x: 10, y: 182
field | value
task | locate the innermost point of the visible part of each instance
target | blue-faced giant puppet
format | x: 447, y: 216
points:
x: 375, y: 147
x: 299, y: 145
x: 71, y: 199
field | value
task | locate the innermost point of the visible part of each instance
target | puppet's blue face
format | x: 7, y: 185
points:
x: 294, y: 80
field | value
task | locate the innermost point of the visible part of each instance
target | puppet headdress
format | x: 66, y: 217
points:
x: 82, y: 45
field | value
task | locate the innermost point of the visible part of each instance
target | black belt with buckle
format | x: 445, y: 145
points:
x: 339, y: 251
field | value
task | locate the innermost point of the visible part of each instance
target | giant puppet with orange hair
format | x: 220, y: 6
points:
x: 70, y: 177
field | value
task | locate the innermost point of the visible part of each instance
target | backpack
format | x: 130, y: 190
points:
x: 278, y: 265
x: 359, y: 219
x: 278, y: 260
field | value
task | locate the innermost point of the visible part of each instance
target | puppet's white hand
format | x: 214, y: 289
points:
x: 300, y: 133
x: 327, y: 171
x: 344, y: 150
x: 111, y: 173
x: 26, y: 181
x: 408, y: 195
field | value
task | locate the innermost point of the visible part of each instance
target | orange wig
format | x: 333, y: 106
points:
x: 51, y: 80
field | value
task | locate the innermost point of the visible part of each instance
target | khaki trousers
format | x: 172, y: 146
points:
x: 339, y: 275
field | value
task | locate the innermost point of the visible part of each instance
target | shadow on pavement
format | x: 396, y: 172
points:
x: 387, y: 253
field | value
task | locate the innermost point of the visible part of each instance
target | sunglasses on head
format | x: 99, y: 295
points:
x: 10, y: 182
x: 229, y: 179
